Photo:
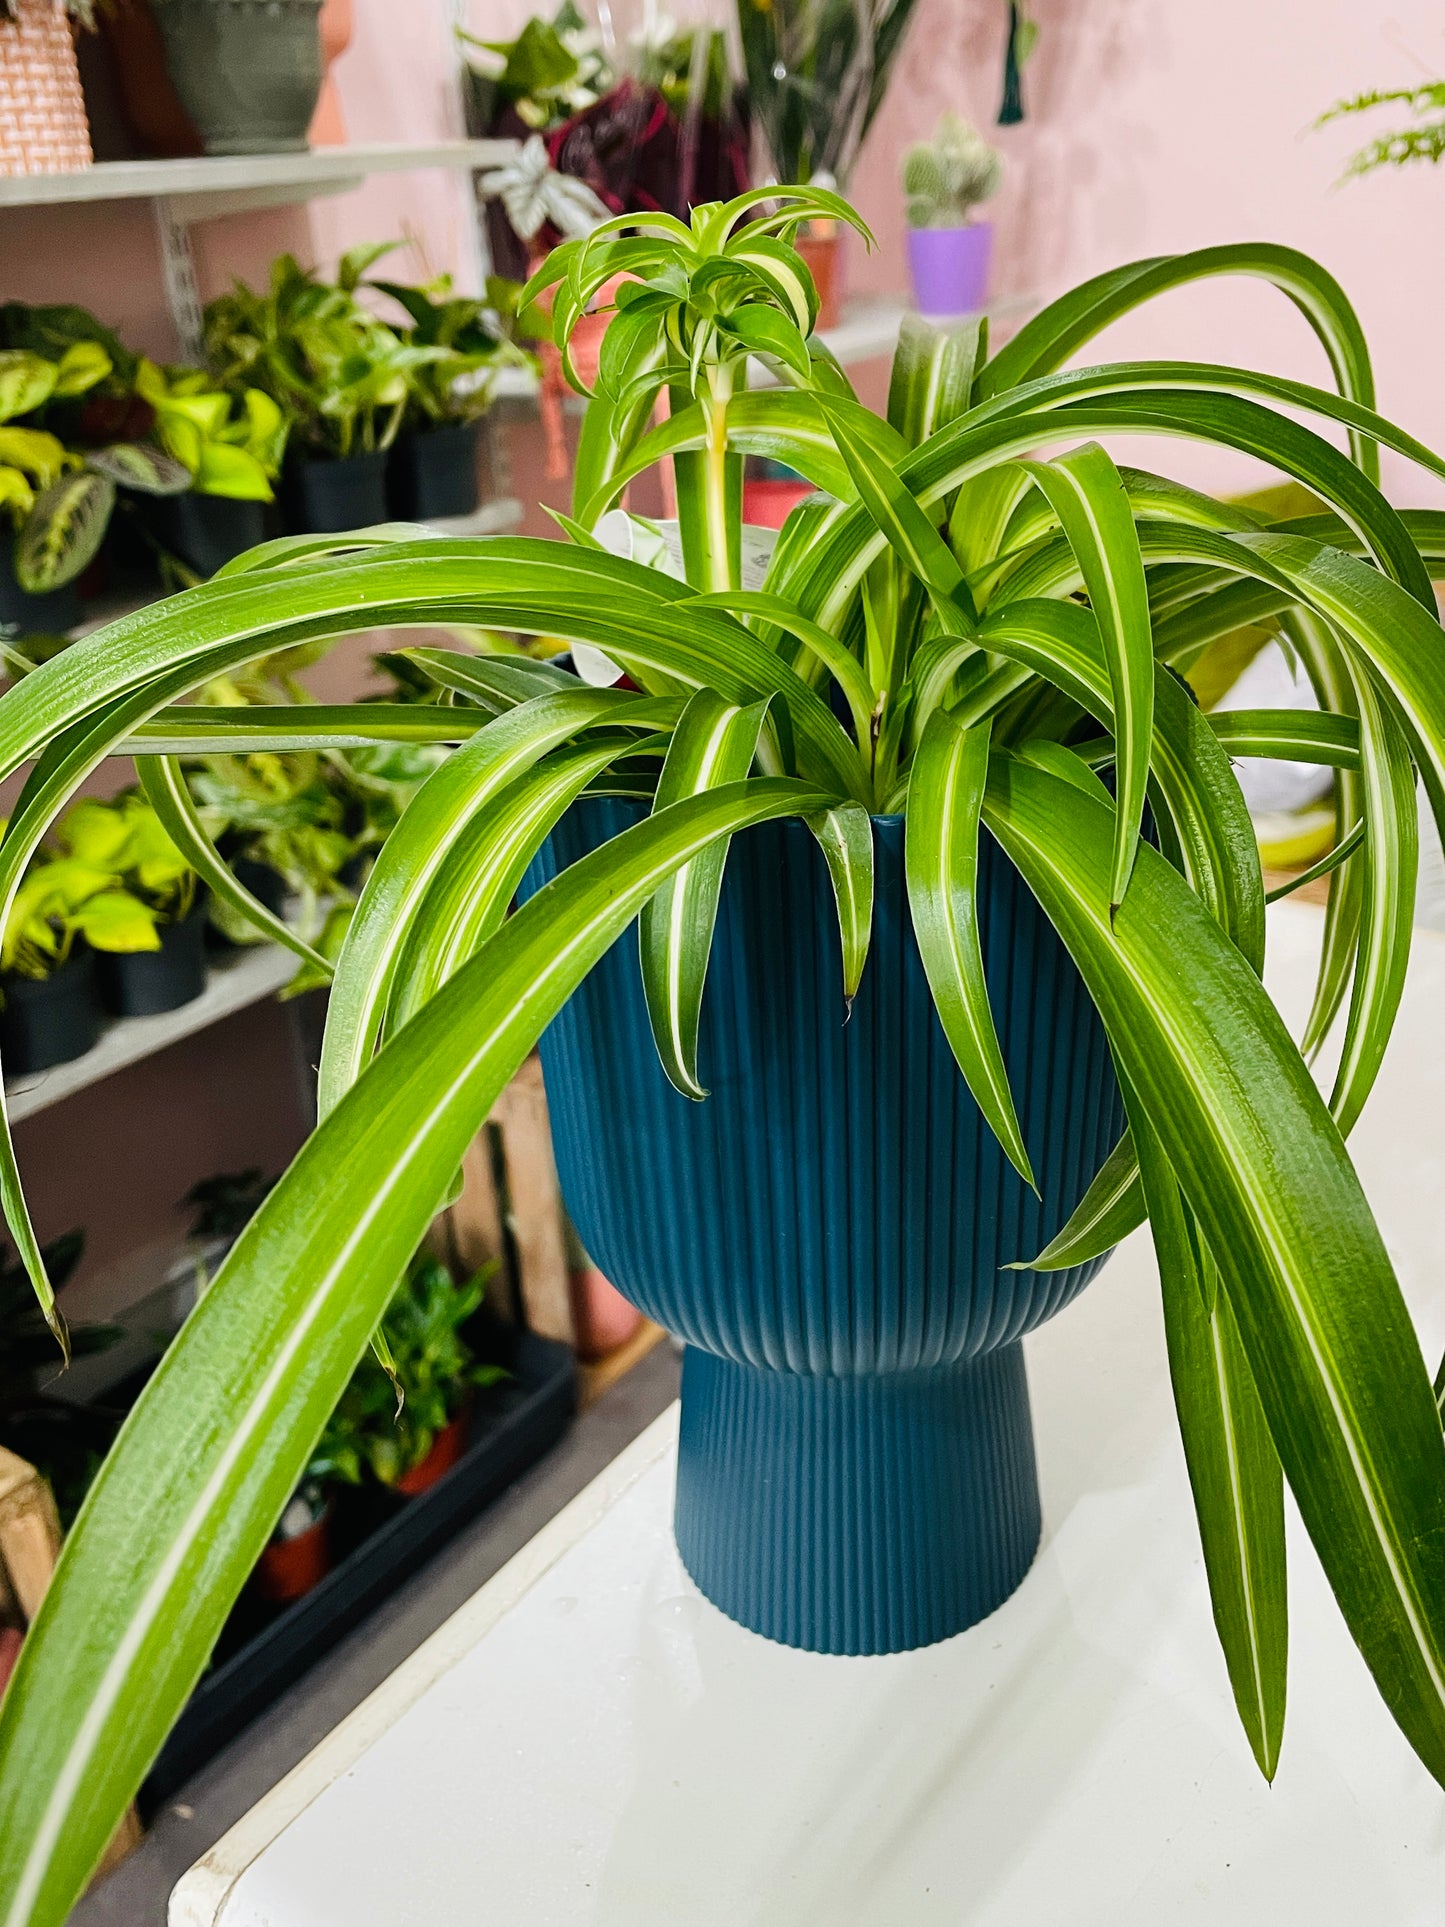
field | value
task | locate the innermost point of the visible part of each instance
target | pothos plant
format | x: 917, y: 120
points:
x: 981, y: 623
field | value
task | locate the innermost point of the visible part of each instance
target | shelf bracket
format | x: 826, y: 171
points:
x: 178, y: 272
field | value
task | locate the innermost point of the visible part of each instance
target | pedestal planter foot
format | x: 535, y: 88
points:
x: 870, y: 1513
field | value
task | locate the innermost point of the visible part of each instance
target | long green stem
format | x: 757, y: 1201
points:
x: 723, y: 548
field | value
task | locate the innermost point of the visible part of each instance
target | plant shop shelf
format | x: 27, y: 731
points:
x: 233, y: 183
x: 383, y: 1540
x: 256, y: 973
x: 184, y: 191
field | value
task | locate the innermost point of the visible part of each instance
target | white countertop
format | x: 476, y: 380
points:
x: 589, y: 1742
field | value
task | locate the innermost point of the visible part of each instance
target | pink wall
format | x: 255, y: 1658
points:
x: 1158, y: 125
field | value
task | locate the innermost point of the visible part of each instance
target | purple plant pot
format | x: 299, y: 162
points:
x: 950, y: 268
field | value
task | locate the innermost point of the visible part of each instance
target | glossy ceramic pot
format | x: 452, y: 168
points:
x: 827, y: 1232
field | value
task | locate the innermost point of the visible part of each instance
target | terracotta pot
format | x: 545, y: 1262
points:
x: 447, y: 1448
x: 821, y: 246
x: 328, y: 125
x: 43, y: 128
x: 768, y: 504
x: 153, y: 112
x: 290, y: 1568
x: 601, y: 1316
x: 11, y: 1640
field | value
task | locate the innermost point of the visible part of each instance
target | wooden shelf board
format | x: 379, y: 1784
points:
x: 595, y: 1379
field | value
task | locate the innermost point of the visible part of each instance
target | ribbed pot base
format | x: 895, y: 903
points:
x: 860, y: 1514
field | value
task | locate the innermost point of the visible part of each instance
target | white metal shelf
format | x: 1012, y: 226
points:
x: 230, y: 183
x: 234, y: 983
x: 182, y: 192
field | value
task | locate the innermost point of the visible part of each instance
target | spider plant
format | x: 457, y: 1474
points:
x: 981, y: 622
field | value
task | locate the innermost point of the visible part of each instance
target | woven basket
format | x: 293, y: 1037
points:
x: 43, y: 129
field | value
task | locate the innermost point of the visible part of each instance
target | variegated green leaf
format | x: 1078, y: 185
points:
x: 1234, y: 1469
x: 1087, y: 494
x: 713, y: 744
x: 945, y: 796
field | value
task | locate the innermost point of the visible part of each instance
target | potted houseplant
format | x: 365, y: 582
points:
x: 67, y: 908
x: 341, y: 377
x: 231, y: 445
x: 433, y: 470
x: 248, y: 72
x: 43, y: 128
x: 297, y: 1557
x: 72, y: 431
x: 933, y: 732
x: 162, y: 963
x: 817, y: 71
x: 948, y: 253
x: 403, y: 1422
x: 279, y: 823
x: 33, y: 463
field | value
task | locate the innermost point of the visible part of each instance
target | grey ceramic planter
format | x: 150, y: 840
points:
x: 248, y: 71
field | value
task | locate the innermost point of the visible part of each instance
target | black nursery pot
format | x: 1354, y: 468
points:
x: 207, y: 531
x: 49, y: 1020
x: 268, y: 886
x: 141, y: 983
x: 321, y: 497
x: 434, y: 474
x: 49, y: 614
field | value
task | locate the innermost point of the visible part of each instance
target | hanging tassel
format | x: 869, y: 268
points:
x: 1011, y: 108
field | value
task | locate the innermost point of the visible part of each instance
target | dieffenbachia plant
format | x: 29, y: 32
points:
x: 980, y: 621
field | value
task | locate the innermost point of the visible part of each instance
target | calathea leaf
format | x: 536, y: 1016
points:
x: 139, y: 466
x: 63, y: 531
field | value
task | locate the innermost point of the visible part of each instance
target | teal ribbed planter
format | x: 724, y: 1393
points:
x: 826, y: 1232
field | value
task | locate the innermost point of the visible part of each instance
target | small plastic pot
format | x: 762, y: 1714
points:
x: 142, y: 983
x: 269, y: 888
x: 266, y: 885
x: 290, y: 1568
x: 447, y: 1448
x: 321, y: 497
x: 950, y: 268
x: 434, y: 474
x: 49, y: 1020
x: 206, y: 531
x: 50, y: 614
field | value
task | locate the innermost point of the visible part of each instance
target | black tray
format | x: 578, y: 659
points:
x: 380, y: 1540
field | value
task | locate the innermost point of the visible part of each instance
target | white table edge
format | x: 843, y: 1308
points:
x: 200, y: 1896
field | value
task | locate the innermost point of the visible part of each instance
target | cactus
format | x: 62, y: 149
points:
x: 945, y: 178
